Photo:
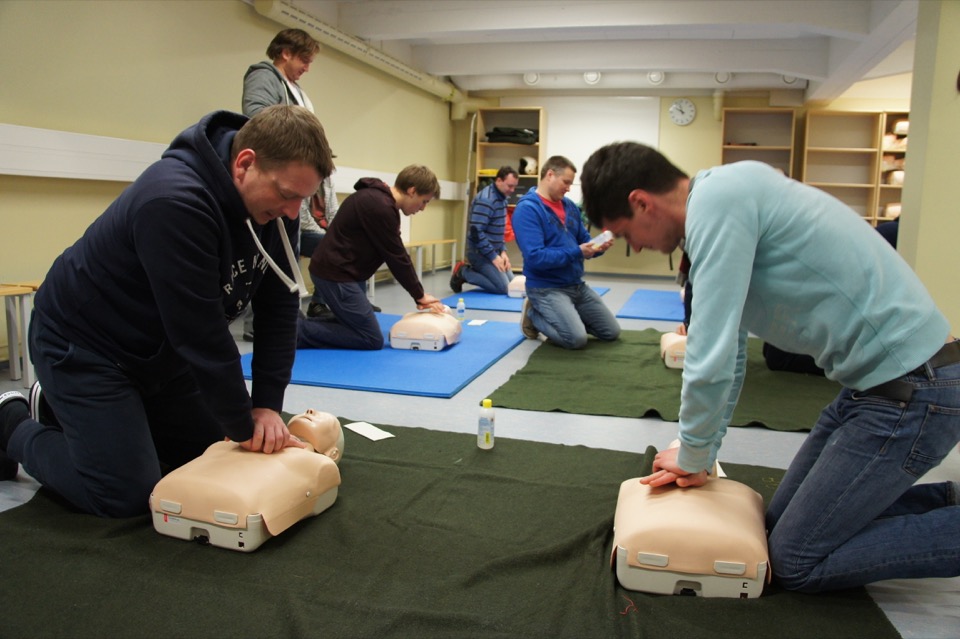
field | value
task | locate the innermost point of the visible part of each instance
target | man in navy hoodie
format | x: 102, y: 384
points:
x: 130, y: 330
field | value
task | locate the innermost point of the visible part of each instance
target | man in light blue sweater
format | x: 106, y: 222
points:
x: 798, y: 268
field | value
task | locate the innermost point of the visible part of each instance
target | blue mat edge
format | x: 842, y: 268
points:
x: 245, y: 361
x: 650, y: 316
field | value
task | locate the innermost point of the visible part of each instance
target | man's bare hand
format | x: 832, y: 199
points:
x: 666, y: 471
x: 270, y: 434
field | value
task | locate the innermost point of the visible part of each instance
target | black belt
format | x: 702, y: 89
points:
x: 902, y: 391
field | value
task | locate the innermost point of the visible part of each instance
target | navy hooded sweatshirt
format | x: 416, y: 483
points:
x: 155, y: 280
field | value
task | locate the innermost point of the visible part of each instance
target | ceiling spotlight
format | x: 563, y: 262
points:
x: 531, y: 79
x: 591, y: 77
x: 788, y: 79
x: 655, y: 77
x: 722, y: 77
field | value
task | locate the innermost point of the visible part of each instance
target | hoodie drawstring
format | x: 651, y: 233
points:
x: 297, y: 286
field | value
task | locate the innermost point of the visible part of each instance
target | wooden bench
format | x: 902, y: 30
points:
x: 18, y: 298
x: 433, y: 244
x: 418, y: 247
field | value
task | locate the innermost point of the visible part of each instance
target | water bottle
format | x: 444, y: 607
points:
x: 485, y: 426
x: 461, y: 309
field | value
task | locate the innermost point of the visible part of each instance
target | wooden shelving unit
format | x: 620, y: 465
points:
x: 859, y: 157
x: 765, y: 135
x: 841, y: 156
x: 893, y: 156
x: 490, y: 156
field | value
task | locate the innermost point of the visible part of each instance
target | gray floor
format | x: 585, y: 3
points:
x: 922, y: 609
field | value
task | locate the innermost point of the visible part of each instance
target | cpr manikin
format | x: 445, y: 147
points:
x: 517, y: 286
x: 425, y: 331
x: 673, y: 349
x: 237, y: 499
x: 708, y: 541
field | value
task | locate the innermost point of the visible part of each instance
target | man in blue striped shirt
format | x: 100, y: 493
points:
x: 487, y: 264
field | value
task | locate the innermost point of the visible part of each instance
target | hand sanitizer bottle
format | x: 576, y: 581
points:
x: 485, y: 426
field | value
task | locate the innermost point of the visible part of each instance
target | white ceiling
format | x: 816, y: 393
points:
x: 485, y: 47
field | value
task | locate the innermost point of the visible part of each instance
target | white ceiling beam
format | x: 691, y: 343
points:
x: 897, y: 24
x: 434, y: 20
x: 806, y: 58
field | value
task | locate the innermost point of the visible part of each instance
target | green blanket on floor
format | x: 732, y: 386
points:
x: 627, y: 378
x: 429, y: 537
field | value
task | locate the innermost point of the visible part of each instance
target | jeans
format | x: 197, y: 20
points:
x: 113, y: 436
x: 481, y: 272
x: 354, y: 325
x: 309, y: 241
x: 568, y: 314
x: 847, y: 512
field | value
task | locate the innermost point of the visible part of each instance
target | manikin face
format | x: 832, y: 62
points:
x: 276, y: 192
x: 294, y: 66
x: 321, y: 430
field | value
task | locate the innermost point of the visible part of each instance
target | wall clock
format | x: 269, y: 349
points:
x: 682, y: 112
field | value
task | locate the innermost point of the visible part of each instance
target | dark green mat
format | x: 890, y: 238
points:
x: 627, y: 378
x: 430, y: 537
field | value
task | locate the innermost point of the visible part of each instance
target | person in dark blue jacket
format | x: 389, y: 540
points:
x: 130, y: 330
x: 487, y: 264
x: 554, y: 244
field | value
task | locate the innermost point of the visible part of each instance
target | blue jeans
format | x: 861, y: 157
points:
x: 354, y: 324
x: 481, y: 272
x: 847, y: 512
x: 567, y: 315
x: 114, y: 434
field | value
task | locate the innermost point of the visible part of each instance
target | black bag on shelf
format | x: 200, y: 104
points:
x: 513, y: 135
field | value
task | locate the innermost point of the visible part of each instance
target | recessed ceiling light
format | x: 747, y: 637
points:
x: 788, y: 79
x: 531, y: 79
x: 591, y: 77
x: 655, y: 77
x: 722, y: 77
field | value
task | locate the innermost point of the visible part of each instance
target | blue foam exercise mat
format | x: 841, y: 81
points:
x: 406, y: 372
x: 478, y: 300
x: 653, y: 305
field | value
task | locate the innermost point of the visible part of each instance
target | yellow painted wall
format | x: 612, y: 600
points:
x: 145, y: 70
x: 931, y: 215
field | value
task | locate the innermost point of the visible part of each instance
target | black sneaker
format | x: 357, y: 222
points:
x: 318, y: 310
x: 376, y: 309
x: 39, y: 407
x: 8, y: 467
x: 248, y: 336
x: 12, y: 416
x: 456, y: 278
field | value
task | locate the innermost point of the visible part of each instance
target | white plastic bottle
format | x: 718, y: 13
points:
x: 485, y: 426
x: 461, y: 309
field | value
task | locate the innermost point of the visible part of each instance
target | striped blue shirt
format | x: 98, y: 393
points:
x: 488, y: 220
